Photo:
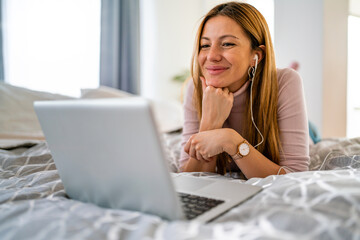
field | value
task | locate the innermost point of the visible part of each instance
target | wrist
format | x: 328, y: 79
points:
x: 205, y: 126
x: 194, y: 165
x: 230, y: 146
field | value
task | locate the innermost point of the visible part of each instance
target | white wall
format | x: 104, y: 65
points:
x: 314, y: 32
x: 299, y: 37
x: 168, y: 29
x: 354, y: 7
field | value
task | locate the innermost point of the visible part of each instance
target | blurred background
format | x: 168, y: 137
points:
x: 145, y: 46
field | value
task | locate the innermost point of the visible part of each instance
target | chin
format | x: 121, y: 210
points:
x: 215, y: 83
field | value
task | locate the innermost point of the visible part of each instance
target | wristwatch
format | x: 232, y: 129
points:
x: 243, y: 150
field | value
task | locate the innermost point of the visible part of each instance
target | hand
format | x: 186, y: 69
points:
x: 206, y: 145
x: 216, y: 106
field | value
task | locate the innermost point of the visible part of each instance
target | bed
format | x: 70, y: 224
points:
x: 323, y: 203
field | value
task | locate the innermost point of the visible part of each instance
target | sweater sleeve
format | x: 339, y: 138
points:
x: 191, y: 122
x: 293, y: 122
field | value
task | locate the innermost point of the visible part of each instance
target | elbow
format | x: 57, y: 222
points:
x: 300, y: 165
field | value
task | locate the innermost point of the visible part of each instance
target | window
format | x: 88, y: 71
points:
x: 52, y: 45
x: 266, y: 7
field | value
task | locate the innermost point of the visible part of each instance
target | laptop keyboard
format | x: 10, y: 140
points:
x: 194, y: 206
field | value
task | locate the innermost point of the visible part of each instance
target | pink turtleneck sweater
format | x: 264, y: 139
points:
x: 292, y: 120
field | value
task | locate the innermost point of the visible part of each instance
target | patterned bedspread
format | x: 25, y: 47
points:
x: 316, y: 204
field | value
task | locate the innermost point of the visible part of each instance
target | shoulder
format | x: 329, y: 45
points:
x: 291, y: 92
x: 288, y: 79
x: 189, y: 89
x: 286, y: 75
x: 188, y: 94
x: 189, y: 86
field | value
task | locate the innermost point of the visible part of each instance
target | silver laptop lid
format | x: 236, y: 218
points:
x: 108, y: 152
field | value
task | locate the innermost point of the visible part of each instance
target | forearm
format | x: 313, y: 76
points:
x: 205, y: 126
x: 216, y: 107
x: 194, y: 165
x: 257, y: 165
x: 206, y: 145
x: 253, y: 165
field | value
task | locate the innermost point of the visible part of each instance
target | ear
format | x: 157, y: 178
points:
x: 260, y: 51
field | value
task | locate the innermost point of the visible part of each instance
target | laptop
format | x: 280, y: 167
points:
x: 109, y: 152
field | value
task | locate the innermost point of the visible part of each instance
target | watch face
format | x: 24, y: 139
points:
x: 244, y: 149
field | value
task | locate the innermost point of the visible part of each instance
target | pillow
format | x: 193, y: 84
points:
x: 104, y: 92
x: 18, y: 119
x: 168, y: 114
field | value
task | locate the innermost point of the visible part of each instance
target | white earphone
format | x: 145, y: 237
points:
x: 256, y: 58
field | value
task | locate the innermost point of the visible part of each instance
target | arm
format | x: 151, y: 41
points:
x: 194, y: 165
x: 293, y: 133
x: 209, y: 165
x: 213, y: 142
x: 293, y: 122
x: 216, y: 107
x: 255, y: 164
x: 203, y: 147
x: 191, y: 127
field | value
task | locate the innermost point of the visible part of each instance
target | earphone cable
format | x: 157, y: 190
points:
x: 251, y: 106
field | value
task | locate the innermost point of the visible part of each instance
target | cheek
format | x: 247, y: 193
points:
x: 201, y: 59
x: 241, y: 63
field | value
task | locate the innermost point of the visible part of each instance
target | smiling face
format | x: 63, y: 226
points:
x: 225, y: 53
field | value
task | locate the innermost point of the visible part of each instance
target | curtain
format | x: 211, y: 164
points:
x: 120, y: 44
x: 1, y: 46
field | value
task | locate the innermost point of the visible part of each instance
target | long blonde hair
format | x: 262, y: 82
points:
x: 265, y: 85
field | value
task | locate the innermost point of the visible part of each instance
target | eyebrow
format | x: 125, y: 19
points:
x: 223, y: 36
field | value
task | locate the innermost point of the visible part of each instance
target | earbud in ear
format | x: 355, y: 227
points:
x: 256, y: 58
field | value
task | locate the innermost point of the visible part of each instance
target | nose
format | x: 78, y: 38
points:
x: 214, y: 54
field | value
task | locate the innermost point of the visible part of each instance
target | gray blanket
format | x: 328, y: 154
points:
x: 309, y: 205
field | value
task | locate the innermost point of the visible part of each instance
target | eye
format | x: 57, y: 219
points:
x: 204, y: 46
x: 228, y: 44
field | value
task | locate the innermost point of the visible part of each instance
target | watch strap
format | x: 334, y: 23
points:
x: 238, y: 155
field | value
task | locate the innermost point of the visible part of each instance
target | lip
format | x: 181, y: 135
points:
x: 215, y: 70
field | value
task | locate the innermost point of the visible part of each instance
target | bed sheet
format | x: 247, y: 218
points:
x: 308, y: 205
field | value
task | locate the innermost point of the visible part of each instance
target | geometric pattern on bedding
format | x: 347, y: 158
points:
x: 304, y: 205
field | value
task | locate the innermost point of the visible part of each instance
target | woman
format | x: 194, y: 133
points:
x: 241, y: 113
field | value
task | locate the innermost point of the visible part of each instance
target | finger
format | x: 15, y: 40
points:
x: 192, y: 152
x: 197, y: 153
x: 213, y: 158
x: 226, y: 90
x: 199, y: 156
x: 187, y: 146
x: 231, y: 97
x: 203, y: 83
x: 208, y: 158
